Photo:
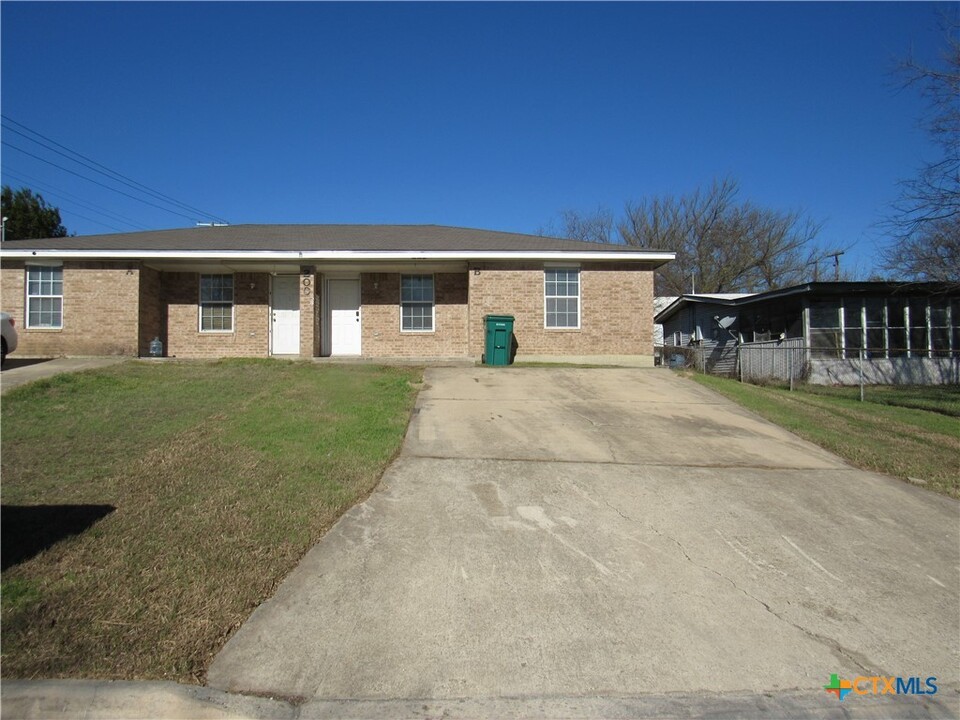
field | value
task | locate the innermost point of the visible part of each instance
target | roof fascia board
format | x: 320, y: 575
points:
x: 715, y: 301
x: 774, y: 294
x: 818, y: 288
x: 670, y: 310
x: 297, y: 255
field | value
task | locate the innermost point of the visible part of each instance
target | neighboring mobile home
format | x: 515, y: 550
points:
x: 372, y: 291
x: 907, y: 332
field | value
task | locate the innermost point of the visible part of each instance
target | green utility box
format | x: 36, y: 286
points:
x: 499, y: 339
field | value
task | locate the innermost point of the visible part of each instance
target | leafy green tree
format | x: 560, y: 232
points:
x: 28, y: 215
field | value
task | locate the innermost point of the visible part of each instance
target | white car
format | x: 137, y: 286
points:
x: 8, y: 330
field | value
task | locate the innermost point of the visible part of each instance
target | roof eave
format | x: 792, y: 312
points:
x: 682, y: 301
x: 653, y: 258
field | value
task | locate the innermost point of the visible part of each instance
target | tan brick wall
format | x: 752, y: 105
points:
x: 112, y: 308
x: 616, y: 309
x: 100, y: 310
x: 309, y: 306
x: 251, y: 317
x: 152, y: 316
x: 381, y: 335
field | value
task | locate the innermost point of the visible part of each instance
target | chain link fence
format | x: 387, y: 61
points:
x: 791, y: 361
x: 784, y: 360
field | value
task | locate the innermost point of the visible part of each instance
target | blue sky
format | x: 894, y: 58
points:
x: 490, y: 115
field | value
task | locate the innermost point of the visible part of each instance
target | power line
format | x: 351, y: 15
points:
x: 97, y: 222
x: 90, y: 219
x: 96, y: 182
x: 132, y: 185
x: 89, y: 163
x: 58, y: 192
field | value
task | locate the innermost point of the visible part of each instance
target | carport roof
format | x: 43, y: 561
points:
x: 812, y: 289
x: 329, y: 242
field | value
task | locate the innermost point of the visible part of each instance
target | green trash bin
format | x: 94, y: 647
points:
x: 499, y: 339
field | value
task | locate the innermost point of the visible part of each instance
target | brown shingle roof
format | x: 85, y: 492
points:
x: 321, y: 237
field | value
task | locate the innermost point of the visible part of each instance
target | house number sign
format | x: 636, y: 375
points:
x: 306, y: 285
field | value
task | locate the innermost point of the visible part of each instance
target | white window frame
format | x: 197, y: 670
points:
x: 28, y: 297
x: 201, y: 303
x: 433, y: 304
x: 566, y: 268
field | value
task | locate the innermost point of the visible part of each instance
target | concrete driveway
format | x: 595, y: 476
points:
x: 612, y: 534
x: 20, y: 371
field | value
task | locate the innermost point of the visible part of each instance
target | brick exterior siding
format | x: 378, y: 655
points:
x: 251, y: 318
x: 309, y: 316
x: 100, y: 310
x: 118, y: 308
x: 153, y: 316
x: 616, y: 305
x: 381, y: 335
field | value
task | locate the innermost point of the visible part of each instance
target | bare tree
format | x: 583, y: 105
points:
x: 928, y: 254
x: 722, y: 244
x: 595, y: 226
x: 925, y: 226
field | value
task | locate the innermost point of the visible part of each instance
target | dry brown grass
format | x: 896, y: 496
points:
x: 209, y: 515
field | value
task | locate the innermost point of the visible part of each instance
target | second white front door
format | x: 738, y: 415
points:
x: 285, y: 315
x: 343, y: 298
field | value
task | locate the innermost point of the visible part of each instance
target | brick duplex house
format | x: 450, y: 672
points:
x: 376, y: 291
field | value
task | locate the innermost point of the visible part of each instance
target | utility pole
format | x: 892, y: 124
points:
x: 3, y: 229
x: 836, y: 263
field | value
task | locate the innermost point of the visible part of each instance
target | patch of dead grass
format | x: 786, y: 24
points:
x: 204, y: 528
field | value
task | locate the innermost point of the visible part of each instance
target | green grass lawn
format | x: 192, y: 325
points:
x: 908, y: 432
x: 944, y: 399
x: 194, y: 488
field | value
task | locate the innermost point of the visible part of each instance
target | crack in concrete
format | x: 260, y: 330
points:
x: 588, y: 418
x: 610, y: 447
x: 412, y: 453
x: 609, y: 441
x: 830, y: 643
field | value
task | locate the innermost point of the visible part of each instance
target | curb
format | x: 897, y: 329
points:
x: 115, y: 700
x: 109, y: 700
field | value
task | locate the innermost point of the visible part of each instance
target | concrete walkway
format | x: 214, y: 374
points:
x: 589, y: 543
x: 19, y: 371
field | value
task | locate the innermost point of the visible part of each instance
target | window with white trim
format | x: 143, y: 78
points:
x: 216, y: 303
x: 561, y: 293
x: 44, y: 296
x: 416, y: 303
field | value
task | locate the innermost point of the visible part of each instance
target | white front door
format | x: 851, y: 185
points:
x: 343, y: 298
x: 285, y: 316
